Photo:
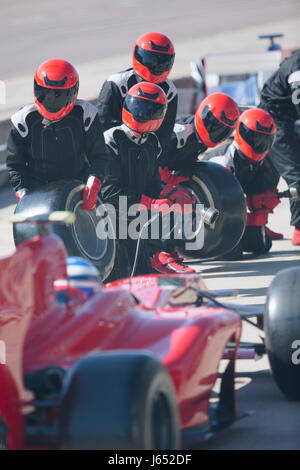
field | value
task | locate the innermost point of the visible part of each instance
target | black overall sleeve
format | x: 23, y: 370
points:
x: 16, y: 161
x: 96, y: 150
x: 110, y: 104
x: 112, y: 187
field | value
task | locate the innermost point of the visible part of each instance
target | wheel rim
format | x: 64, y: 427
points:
x: 84, y: 232
x: 181, y: 229
x: 161, y: 423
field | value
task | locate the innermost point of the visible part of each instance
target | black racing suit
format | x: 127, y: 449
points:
x: 131, y: 171
x: 185, y: 145
x: 281, y: 97
x: 41, y: 151
x: 112, y: 95
x: 254, y: 179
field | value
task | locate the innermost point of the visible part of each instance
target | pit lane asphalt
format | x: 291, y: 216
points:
x: 273, y: 422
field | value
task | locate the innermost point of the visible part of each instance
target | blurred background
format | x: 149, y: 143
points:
x: 97, y: 36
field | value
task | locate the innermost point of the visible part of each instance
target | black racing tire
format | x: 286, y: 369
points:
x: 214, y: 186
x: 80, y: 238
x: 255, y: 240
x: 119, y: 400
x: 282, y: 331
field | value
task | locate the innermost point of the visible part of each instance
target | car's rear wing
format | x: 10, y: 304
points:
x: 238, y: 63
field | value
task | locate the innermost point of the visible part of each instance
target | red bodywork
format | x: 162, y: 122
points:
x: 38, y: 332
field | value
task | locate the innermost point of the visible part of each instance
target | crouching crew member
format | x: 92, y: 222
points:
x: 57, y: 137
x: 214, y: 121
x: 246, y: 158
x: 132, y: 171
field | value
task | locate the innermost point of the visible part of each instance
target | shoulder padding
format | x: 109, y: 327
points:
x: 19, y: 119
x: 294, y: 77
x: 182, y: 132
x: 109, y: 138
x: 89, y: 113
x: 121, y: 80
x: 226, y: 160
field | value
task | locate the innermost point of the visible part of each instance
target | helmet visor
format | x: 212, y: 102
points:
x: 54, y: 99
x: 260, y: 142
x: 156, y: 62
x: 144, y: 110
x: 217, y: 130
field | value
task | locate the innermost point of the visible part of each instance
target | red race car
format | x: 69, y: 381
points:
x: 132, y: 367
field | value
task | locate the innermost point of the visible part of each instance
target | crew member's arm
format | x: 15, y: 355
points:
x: 17, y: 164
x: 112, y: 187
x: 164, y: 133
x: 110, y: 104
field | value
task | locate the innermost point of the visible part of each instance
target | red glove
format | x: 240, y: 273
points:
x: 178, y: 196
x: 266, y: 201
x: 158, y: 205
x: 167, y: 177
x: 90, y: 193
x: 257, y: 218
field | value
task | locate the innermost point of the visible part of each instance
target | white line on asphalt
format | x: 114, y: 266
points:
x: 2, y: 147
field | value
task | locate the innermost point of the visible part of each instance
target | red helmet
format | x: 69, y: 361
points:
x: 144, y: 107
x: 153, y: 57
x: 255, y: 133
x: 56, y: 85
x: 216, y: 118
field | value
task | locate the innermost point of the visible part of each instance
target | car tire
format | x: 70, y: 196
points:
x: 282, y: 331
x: 66, y: 195
x: 119, y: 400
x: 214, y: 186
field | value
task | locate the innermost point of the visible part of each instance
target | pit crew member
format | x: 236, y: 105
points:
x: 281, y: 97
x: 57, y: 137
x: 246, y: 158
x: 132, y: 171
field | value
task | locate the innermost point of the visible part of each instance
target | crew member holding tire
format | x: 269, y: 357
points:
x: 246, y: 158
x: 214, y: 121
x: 153, y: 58
x: 58, y: 137
x: 280, y: 96
x: 132, y: 171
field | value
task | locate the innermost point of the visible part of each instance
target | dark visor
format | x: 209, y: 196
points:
x: 217, y: 130
x: 258, y: 141
x: 156, y: 62
x: 144, y: 110
x: 54, y: 99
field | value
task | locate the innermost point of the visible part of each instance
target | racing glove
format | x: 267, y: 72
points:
x: 22, y: 192
x: 178, y: 196
x: 90, y: 193
x: 167, y: 177
x: 266, y: 201
x: 164, y: 206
